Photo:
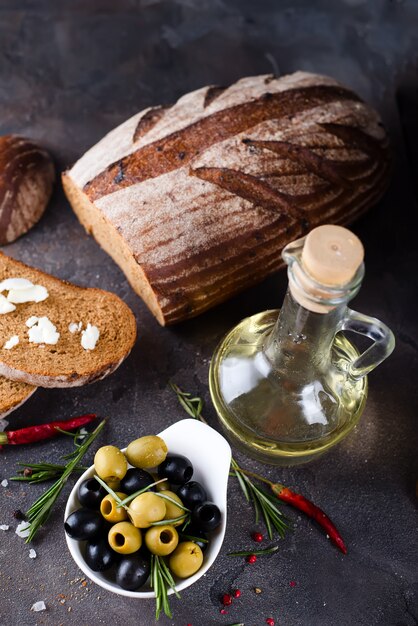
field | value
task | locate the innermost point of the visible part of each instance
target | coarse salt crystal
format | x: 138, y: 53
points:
x: 31, y: 321
x: 4, y: 526
x: 11, y: 343
x: 5, y: 305
x: 23, y: 530
x: 38, y: 606
x: 43, y: 331
x: 4, y: 482
x: 32, y: 554
x: 89, y: 337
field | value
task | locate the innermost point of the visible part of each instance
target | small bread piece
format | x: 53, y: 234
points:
x: 66, y: 363
x: 26, y: 179
x: 13, y: 394
x: 196, y: 201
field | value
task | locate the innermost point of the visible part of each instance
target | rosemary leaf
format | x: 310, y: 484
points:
x: 132, y: 496
x: 163, y: 522
x: 108, y: 489
x: 180, y: 506
x: 256, y: 552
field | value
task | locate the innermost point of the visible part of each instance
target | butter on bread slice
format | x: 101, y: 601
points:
x: 13, y: 394
x: 65, y: 363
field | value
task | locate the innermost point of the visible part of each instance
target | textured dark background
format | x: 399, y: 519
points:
x: 69, y: 72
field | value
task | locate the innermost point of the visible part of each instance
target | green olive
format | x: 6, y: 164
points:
x: 125, y: 538
x: 109, y: 509
x: 146, y: 509
x: 173, y: 511
x: 186, y: 559
x: 146, y: 452
x: 110, y: 463
x: 161, y: 540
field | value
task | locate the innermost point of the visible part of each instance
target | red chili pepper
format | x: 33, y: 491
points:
x: 31, y: 434
x: 313, y: 511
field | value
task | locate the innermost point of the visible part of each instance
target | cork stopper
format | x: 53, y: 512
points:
x: 329, y: 260
x: 332, y: 255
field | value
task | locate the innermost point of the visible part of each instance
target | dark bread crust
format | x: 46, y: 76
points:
x: 199, y: 205
x: 178, y: 149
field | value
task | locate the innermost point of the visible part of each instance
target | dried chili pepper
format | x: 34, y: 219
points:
x: 309, y: 508
x: 302, y: 504
x: 31, y: 434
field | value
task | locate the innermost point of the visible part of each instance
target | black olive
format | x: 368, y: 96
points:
x: 132, y: 572
x: 176, y: 468
x: 91, y: 493
x: 136, y: 479
x: 84, y: 524
x: 99, y: 556
x: 206, y: 516
x: 192, y: 494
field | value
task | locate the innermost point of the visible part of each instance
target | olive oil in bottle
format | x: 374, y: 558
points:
x: 287, y: 385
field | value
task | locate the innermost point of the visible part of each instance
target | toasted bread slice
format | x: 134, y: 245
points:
x: 13, y: 394
x: 66, y: 363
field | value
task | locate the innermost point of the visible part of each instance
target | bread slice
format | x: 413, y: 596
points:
x: 13, y: 394
x: 67, y: 363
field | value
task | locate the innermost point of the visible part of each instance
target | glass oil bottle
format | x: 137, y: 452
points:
x: 287, y: 385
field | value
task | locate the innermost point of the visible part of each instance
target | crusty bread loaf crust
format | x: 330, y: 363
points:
x: 66, y: 363
x: 196, y: 201
x: 26, y: 179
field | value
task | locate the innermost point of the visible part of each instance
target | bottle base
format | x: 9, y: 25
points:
x: 241, y: 427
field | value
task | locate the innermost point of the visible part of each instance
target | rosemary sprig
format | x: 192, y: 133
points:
x: 41, y: 509
x: 178, y: 504
x: 256, y: 552
x: 41, y: 472
x: 124, y: 502
x: 161, y: 582
x: 264, y: 505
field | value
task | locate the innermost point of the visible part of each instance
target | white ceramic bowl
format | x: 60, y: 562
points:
x: 210, y: 455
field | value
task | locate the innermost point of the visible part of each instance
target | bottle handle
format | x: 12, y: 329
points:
x: 382, y: 346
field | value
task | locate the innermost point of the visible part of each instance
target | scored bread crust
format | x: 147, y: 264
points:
x: 65, y: 364
x: 12, y: 395
x: 196, y: 201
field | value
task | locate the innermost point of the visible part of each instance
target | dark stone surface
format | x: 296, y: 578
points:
x: 69, y: 72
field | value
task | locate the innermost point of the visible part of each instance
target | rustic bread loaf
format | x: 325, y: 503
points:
x: 26, y: 179
x: 65, y: 363
x: 13, y: 394
x: 196, y: 201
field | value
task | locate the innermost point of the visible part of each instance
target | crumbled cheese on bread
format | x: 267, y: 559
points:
x: 23, y: 290
x: 11, y: 343
x: 89, y: 337
x: 36, y: 293
x: 43, y: 331
x: 5, y: 305
x: 31, y: 321
x: 15, y: 283
x: 75, y: 327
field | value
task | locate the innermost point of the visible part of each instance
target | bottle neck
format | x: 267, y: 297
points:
x: 302, y: 338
